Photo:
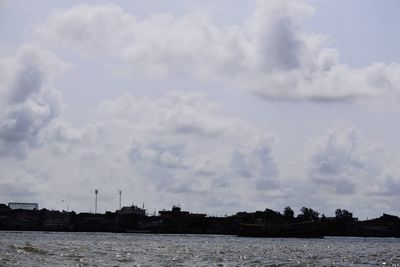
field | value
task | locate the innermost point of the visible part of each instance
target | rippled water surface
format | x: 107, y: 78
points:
x: 100, y: 249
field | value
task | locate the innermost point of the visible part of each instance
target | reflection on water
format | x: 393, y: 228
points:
x: 100, y: 249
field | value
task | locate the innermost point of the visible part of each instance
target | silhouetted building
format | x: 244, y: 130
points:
x: 4, y: 207
x: 132, y: 210
x: 177, y: 212
x: 23, y: 206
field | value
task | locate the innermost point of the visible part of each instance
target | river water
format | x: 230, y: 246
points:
x: 106, y: 249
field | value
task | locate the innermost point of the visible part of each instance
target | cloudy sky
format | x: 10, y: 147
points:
x: 216, y: 106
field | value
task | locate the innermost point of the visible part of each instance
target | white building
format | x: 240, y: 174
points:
x: 23, y: 206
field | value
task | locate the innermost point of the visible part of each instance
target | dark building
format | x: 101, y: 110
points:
x: 4, y: 207
x: 132, y: 210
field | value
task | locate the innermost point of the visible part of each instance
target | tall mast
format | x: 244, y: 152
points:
x: 120, y: 196
x: 95, y: 202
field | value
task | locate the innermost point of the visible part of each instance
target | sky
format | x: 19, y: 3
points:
x: 215, y: 106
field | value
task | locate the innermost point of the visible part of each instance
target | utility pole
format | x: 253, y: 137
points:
x: 95, y: 202
x: 120, y: 196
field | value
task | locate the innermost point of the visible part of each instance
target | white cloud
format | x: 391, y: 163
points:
x: 345, y: 167
x: 337, y: 160
x: 181, y: 146
x: 17, y: 184
x: 269, y: 54
x: 175, y: 148
x: 389, y: 180
x: 178, y: 147
x: 28, y: 101
x: 253, y: 159
x: 176, y: 111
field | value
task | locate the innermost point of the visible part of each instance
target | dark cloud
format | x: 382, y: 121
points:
x: 266, y: 184
x: 276, y: 36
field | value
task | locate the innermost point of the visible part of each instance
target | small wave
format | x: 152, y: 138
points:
x: 31, y: 249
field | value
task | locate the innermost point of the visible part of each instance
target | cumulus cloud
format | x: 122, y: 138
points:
x: 254, y: 160
x: 180, y: 144
x: 344, y: 161
x: 269, y: 54
x: 164, y: 150
x: 388, y: 183
x: 178, y: 147
x: 29, y: 102
x: 336, y: 160
x: 177, y: 112
x: 19, y: 185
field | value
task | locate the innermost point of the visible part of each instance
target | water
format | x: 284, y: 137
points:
x: 103, y: 249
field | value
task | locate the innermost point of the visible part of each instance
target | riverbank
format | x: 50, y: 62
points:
x: 257, y: 224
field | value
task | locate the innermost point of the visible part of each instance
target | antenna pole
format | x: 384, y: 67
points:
x: 95, y: 202
x: 120, y: 196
